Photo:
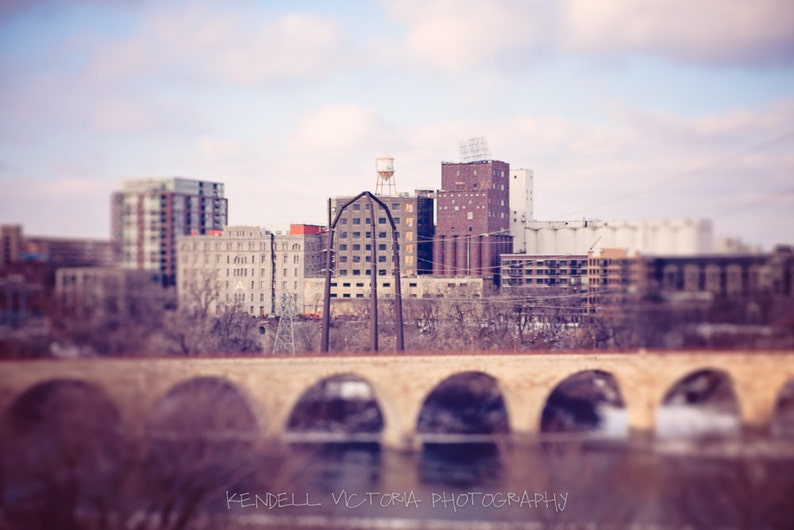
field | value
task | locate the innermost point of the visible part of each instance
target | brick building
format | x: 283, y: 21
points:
x: 472, y: 219
x: 353, y: 239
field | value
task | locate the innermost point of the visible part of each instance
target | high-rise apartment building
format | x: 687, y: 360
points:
x: 473, y: 219
x: 362, y: 220
x: 149, y: 214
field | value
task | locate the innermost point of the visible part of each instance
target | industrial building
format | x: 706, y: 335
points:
x: 522, y: 206
x: 664, y: 237
x: 473, y: 219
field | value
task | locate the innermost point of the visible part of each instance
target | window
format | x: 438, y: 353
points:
x: 357, y: 220
x: 357, y: 206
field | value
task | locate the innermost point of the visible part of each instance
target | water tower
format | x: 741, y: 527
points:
x: 385, y: 184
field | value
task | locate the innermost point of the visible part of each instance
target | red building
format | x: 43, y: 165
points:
x: 472, y: 219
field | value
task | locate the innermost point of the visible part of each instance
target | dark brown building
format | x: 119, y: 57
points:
x: 472, y: 219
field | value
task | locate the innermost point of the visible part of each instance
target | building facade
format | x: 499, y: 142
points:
x: 522, y: 208
x: 248, y: 267
x: 106, y: 291
x: 56, y: 251
x: 358, y: 229
x: 615, y: 276
x: 473, y: 219
x: 724, y: 276
x: 523, y: 273
x: 149, y: 214
x: 665, y: 237
x: 344, y: 290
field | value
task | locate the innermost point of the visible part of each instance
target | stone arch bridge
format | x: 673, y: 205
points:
x: 401, y: 383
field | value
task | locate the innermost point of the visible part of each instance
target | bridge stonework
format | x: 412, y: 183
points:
x: 401, y: 383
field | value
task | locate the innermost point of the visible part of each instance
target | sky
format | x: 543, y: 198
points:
x: 627, y: 109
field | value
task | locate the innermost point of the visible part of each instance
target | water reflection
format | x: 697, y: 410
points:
x: 355, y: 466
x: 461, y: 465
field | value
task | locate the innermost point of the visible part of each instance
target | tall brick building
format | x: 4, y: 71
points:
x: 472, y: 219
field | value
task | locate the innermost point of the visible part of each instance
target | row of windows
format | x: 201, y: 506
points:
x: 344, y: 235
x: 544, y: 272
x: 357, y: 272
x: 546, y: 262
x: 357, y: 259
x: 357, y: 247
x: 357, y: 220
x: 394, y: 206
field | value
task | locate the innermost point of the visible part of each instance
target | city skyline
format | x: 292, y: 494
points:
x: 623, y: 111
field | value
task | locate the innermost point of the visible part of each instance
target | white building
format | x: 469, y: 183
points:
x: 669, y: 237
x: 248, y: 267
x: 521, y: 206
x: 423, y: 286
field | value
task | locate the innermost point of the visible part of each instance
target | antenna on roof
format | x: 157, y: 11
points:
x: 473, y: 149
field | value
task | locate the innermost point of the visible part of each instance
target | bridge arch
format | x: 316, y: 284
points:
x: 466, y: 402
x: 207, y: 405
x: 587, y: 400
x: 702, y: 401
x: 341, y: 404
x: 782, y: 422
x: 54, y: 433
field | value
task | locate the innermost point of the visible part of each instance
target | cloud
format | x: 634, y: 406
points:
x: 199, y: 43
x: 637, y: 164
x: 706, y: 32
x: 460, y: 36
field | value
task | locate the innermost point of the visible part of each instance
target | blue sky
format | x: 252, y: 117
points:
x: 624, y: 109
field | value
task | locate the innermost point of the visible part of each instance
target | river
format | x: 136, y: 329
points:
x: 511, y: 483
